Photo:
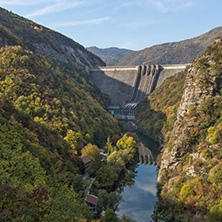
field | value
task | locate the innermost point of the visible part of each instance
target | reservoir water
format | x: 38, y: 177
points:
x: 140, y: 199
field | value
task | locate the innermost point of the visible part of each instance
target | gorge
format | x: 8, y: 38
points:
x: 58, y: 102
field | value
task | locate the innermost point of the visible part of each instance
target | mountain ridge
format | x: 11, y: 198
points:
x: 109, y: 55
x: 16, y: 30
x: 180, y: 52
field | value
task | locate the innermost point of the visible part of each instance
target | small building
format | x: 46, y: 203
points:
x: 114, y: 110
x: 103, y: 153
x: 92, y: 202
x: 87, y: 159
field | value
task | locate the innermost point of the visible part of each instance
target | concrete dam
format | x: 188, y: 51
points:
x: 127, y: 86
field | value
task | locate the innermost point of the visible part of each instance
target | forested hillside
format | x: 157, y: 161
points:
x: 46, y: 117
x: 157, y: 114
x: 182, y: 52
x: 189, y: 181
x: 50, y: 115
x: 16, y: 30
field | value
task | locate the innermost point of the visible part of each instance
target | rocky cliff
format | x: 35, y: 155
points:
x: 190, y: 178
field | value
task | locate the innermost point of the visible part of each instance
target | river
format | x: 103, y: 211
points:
x: 140, y: 199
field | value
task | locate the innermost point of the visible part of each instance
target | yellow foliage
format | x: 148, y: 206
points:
x: 215, y: 134
x: 204, y: 153
x: 190, y: 188
x: 127, y: 143
x: 90, y: 149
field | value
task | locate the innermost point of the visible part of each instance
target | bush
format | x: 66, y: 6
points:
x: 215, y: 174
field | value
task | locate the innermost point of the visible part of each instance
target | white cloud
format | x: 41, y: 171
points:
x: 25, y: 2
x: 170, y: 5
x: 161, y: 5
x: 57, y: 6
x: 127, y: 45
x: 150, y: 188
x: 96, y: 21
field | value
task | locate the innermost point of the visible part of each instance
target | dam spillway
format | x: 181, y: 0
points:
x: 127, y: 86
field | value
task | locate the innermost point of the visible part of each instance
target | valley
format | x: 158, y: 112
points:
x: 65, y: 152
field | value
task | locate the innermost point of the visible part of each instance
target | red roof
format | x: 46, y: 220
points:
x: 91, y: 199
x: 86, y: 159
x: 102, y: 151
x: 129, y: 133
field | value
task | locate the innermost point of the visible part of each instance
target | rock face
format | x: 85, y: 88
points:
x: 193, y: 96
x: 67, y: 54
x: 185, y: 169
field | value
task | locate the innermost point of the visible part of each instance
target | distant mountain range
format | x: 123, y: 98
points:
x: 168, y: 53
x: 111, y: 55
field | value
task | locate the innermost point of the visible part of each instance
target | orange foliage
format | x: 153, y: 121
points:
x: 194, y: 132
x: 172, y: 83
x: 168, y: 111
x: 178, y: 103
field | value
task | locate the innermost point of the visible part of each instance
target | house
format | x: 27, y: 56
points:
x: 92, y: 202
x: 103, y: 153
x: 87, y: 159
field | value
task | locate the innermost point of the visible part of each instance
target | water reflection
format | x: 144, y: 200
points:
x: 145, y: 155
x: 140, y: 199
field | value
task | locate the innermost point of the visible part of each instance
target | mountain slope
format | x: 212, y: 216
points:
x: 40, y: 107
x: 109, y: 55
x: 49, y: 110
x: 157, y: 114
x: 182, y: 52
x: 189, y: 178
x: 16, y: 30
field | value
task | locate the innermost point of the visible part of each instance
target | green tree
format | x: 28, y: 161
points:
x: 66, y: 205
x: 110, y: 216
x: 95, y: 165
x: 109, y: 200
x: 20, y: 169
x: 109, y: 147
x: 106, y: 178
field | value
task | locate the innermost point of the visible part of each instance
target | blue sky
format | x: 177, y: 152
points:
x: 133, y: 24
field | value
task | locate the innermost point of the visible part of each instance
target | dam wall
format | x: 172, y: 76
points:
x: 131, y: 84
x: 170, y: 70
x: 117, y: 82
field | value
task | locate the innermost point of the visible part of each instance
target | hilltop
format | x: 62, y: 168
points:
x: 181, y: 52
x: 109, y: 55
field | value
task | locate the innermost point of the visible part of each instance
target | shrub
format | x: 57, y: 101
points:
x: 215, y: 174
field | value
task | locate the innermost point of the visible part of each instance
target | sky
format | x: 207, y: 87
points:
x: 131, y: 24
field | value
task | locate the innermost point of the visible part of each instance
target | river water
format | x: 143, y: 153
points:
x: 140, y: 199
